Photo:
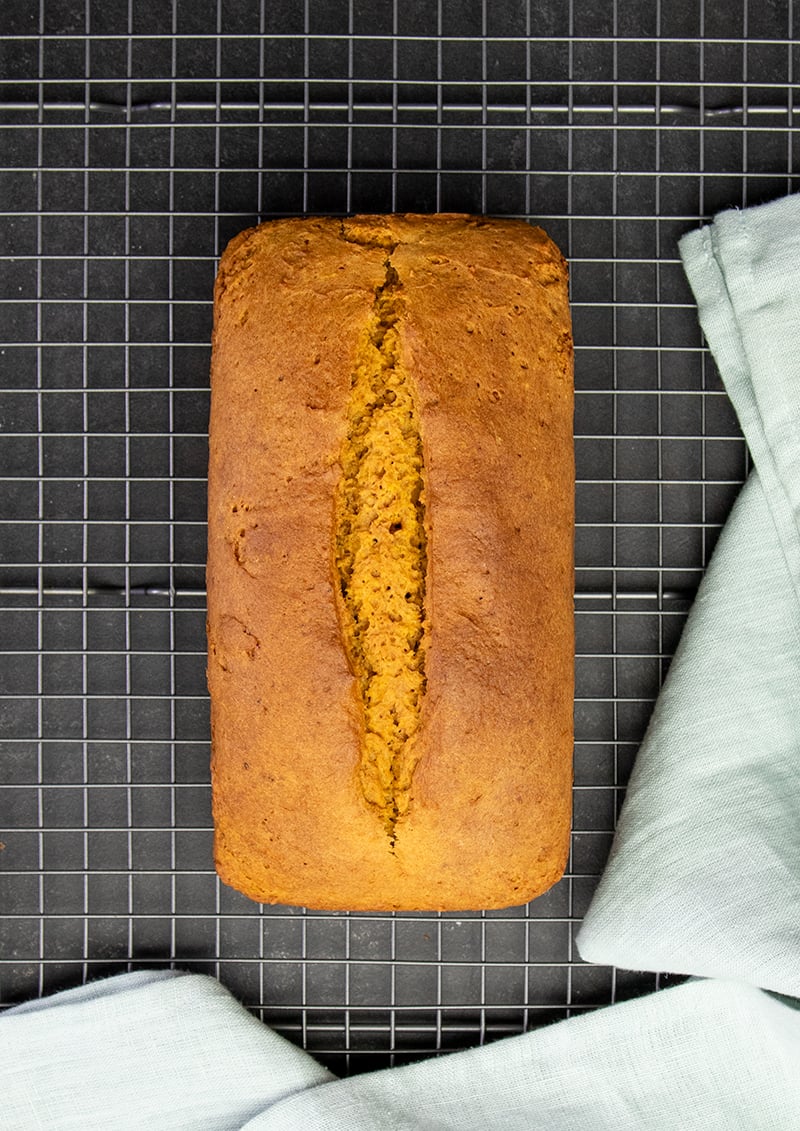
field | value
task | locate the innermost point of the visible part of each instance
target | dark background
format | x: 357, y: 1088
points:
x: 135, y: 139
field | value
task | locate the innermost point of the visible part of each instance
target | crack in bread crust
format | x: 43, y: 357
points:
x: 381, y: 557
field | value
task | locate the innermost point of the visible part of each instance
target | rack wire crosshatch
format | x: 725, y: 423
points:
x: 136, y: 139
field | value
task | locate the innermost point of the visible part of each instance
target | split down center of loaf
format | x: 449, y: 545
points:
x: 381, y: 557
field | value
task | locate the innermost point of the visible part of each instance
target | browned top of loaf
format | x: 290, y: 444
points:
x: 485, y: 332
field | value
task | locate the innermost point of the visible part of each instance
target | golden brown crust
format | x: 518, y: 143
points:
x: 485, y: 333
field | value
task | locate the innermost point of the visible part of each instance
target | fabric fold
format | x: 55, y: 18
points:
x: 705, y: 1056
x: 152, y: 1049
x: 704, y: 874
x: 744, y: 270
x: 160, y: 1050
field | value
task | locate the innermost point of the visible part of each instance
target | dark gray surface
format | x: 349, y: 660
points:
x: 135, y: 139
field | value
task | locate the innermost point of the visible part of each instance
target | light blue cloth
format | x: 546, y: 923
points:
x: 145, y: 1050
x: 704, y: 875
x: 155, y: 1051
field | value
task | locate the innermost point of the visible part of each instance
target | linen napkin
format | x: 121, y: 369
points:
x: 158, y: 1050
x: 152, y: 1049
x: 704, y: 874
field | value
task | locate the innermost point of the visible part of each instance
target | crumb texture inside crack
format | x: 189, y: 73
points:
x: 381, y: 557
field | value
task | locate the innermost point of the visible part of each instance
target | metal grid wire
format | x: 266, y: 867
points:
x: 136, y: 139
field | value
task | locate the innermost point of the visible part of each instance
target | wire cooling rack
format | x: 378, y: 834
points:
x: 137, y: 138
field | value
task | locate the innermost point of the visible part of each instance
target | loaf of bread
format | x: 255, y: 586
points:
x: 390, y: 563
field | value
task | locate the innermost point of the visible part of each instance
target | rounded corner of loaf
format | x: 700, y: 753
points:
x: 522, y: 889
x: 233, y: 245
